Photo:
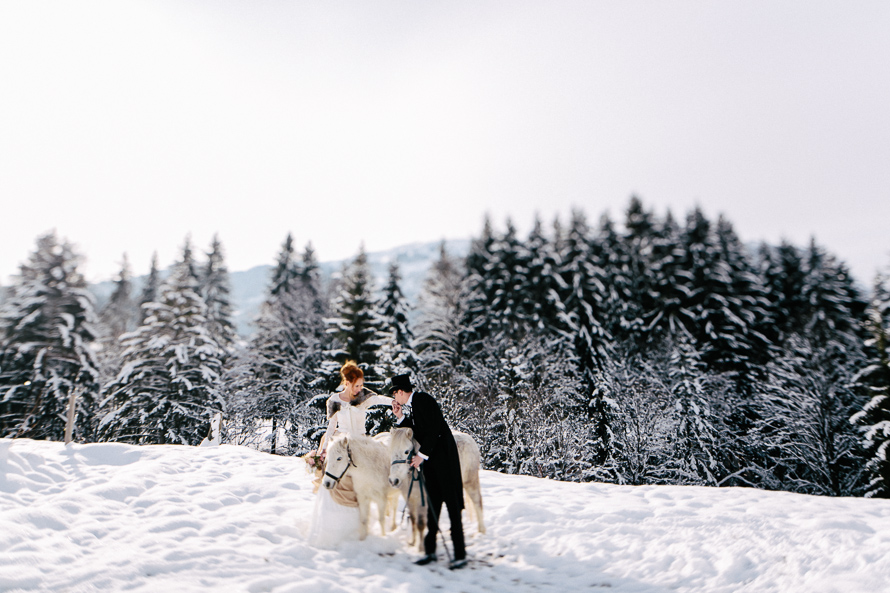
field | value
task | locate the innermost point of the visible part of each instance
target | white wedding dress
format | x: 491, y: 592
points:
x: 333, y: 523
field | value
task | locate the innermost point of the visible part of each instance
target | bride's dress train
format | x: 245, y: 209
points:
x: 332, y: 522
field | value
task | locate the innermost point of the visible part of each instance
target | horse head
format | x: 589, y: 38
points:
x: 401, y: 451
x: 337, y: 462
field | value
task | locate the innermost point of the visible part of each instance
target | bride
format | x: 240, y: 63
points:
x: 336, y: 516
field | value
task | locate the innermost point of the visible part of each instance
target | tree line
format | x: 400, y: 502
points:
x: 645, y: 351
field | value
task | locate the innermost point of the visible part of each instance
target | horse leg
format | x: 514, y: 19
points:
x: 421, y: 528
x: 418, y: 513
x: 363, y: 504
x: 413, y: 531
x: 418, y: 520
x: 473, y: 491
x: 382, y: 506
x: 476, y: 497
x: 409, y: 506
x: 392, y: 507
x: 413, y: 515
x: 468, y: 505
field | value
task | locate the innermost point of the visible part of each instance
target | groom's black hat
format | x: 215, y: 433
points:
x: 402, y: 382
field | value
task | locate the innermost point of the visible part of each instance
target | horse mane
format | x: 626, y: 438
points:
x: 358, y: 443
x: 406, y: 433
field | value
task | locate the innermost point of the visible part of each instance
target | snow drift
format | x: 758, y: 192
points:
x: 111, y: 517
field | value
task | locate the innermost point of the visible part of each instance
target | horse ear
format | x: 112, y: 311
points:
x: 409, y: 432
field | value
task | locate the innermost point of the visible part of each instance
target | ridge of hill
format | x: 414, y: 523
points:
x: 249, y: 286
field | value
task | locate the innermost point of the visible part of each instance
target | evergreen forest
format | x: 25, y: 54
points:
x: 646, y: 350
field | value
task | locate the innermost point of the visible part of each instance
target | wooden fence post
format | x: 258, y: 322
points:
x: 69, y: 426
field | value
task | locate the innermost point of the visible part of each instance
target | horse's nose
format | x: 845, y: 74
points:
x: 394, y: 482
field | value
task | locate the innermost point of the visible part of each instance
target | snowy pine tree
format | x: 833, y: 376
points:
x: 477, y: 293
x: 662, y: 303
x: 636, y: 288
x: 644, y: 432
x: 695, y: 438
x: 785, y: 279
x: 610, y: 255
x: 739, y: 344
x: 396, y: 354
x: 438, y: 326
x: 151, y: 288
x: 558, y: 436
x: 215, y: 289
x: 120, y: 315
x: 506, y: 278
x: 511, y: 409
x: 394, y: 309
x: 581, y: 324
x: 700, y: 284
x: 189, y: 264
x: 310, y: 277
x: 874, y: 417
x: 355, y: 326
x: 46, y: 330
x: 541, y: 288
x: 804, y: 419
x: 167, y: 391
x: 271, y: 381
x: 835, y: 307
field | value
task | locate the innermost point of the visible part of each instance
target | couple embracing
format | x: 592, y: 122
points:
x: 437, y: 458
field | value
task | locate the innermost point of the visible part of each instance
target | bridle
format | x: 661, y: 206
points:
x: 405, y: 460
x: 349, y: 462
x: 416, y: 476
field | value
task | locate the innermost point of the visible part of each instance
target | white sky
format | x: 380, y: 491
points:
x: 127, y: 125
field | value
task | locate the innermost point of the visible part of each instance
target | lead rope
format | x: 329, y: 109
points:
x: 415, y: 477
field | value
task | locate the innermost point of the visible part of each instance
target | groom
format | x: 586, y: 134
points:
x: 439, y: 460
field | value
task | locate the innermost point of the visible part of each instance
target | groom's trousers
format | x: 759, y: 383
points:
x: 435, y: 516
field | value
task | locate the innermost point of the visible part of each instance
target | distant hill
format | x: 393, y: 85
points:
x: 249, y: 286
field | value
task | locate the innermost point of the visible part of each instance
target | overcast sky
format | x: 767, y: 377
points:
x: 128, y: 125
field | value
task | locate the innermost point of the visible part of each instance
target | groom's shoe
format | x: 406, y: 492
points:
x: 455, y: 564
x: 426, y: 560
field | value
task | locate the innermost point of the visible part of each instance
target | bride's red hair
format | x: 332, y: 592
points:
x: 350, y: 372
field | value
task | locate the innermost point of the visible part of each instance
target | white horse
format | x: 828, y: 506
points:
x: 403, y: 447
x: 393, y: 499
x: 365, y: 460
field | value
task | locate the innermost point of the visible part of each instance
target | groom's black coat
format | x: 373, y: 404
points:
x: 442, y: 468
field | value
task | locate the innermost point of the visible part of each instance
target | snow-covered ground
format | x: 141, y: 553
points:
x: 110, y: 517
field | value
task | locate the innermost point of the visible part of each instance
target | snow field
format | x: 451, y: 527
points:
x: 112, y: 517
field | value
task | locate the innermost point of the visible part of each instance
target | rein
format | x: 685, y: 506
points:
x: 415, y: 477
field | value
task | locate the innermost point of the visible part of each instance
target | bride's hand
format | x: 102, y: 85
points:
x: 397, y: 408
